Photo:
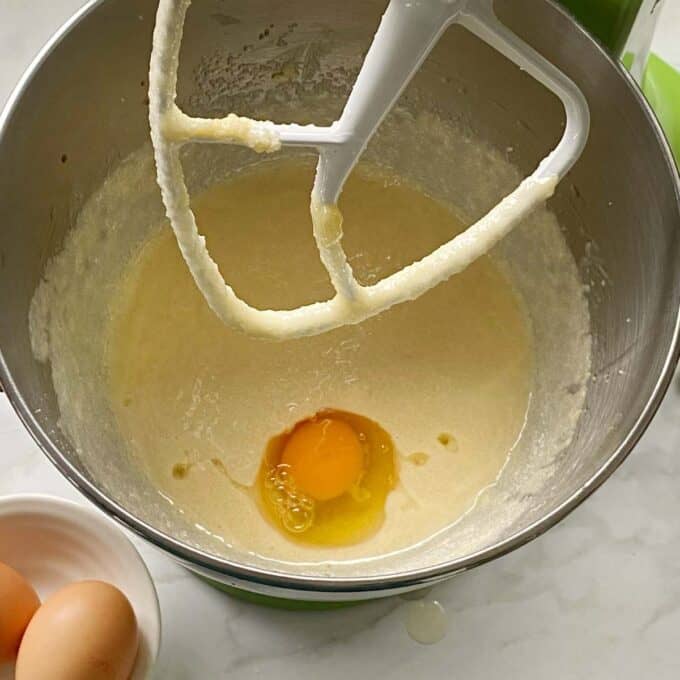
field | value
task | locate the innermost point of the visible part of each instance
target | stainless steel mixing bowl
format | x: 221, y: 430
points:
x: 81, y: 107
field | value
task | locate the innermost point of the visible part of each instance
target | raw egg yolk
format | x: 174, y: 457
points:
x: 324, y: 457
x: 327, y: 479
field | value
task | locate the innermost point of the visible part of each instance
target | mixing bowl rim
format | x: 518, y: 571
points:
x: 332, y: 585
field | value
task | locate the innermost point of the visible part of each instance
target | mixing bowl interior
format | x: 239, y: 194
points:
x: 85, y: 110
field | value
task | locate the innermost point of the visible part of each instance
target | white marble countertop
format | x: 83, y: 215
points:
x: 597, y: 597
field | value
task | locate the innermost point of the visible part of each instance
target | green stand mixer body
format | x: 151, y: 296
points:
x: 611, y: 22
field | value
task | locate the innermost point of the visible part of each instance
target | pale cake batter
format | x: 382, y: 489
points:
x: 449, y: 375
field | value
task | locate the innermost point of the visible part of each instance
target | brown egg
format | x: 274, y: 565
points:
x: 85, y: 631
x: 18, y: 603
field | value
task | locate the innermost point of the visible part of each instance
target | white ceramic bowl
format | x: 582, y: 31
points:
x: 52, y: 542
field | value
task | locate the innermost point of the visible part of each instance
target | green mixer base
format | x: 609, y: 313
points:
x: 279, y: 602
